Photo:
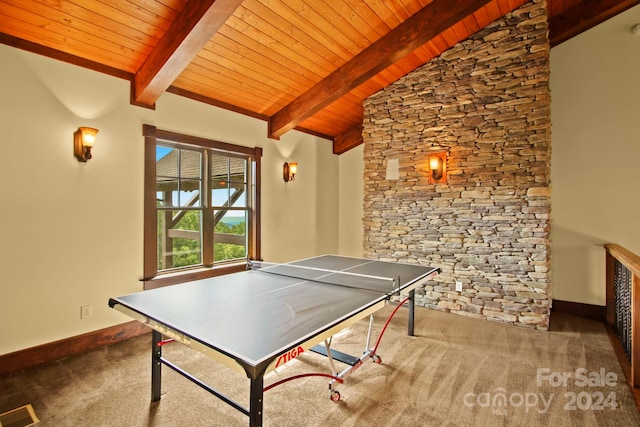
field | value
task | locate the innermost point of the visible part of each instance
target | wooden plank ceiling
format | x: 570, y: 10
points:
x: 303, y: 64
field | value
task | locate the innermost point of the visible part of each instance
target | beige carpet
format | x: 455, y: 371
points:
x: 453, y: 373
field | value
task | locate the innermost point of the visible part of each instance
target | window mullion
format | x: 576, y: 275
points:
x: 207, y: 212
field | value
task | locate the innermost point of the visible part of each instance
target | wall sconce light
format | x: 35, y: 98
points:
x: 289, y: 171
x: 438, y: 168
x: 83, y: 140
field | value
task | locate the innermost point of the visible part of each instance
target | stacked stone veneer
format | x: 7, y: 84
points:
x: 485, y: 102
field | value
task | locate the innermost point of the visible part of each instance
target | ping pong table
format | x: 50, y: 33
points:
x: 257, y: 320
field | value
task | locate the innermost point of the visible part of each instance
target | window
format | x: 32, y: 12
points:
x: 201, y: 207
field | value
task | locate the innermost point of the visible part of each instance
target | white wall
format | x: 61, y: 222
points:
x: 595, y: 112
x: 71, y: 233
x: 351, y: 200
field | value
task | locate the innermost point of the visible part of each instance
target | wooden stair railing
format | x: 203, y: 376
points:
x: 623, y: 307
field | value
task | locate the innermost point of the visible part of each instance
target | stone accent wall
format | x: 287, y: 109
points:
x: 485, y: 102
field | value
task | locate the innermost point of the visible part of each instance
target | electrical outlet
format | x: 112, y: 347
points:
x: 85, y: 311
x: 458, y: 286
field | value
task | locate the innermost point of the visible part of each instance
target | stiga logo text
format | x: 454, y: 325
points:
x: 289, y: 355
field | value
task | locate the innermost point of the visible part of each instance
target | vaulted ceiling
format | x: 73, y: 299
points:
x: 297, y: 64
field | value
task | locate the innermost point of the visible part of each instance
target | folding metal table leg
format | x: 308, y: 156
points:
x: 333, y: 393
x: 412, y: 297
x: 256, y: 396
x: 156, y: 366
x: 368, y: 343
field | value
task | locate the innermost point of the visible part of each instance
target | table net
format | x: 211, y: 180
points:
x: 378, y: 284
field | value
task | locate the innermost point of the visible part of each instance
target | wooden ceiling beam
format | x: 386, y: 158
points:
x: 426, y: 24
x: 584, y: 15
x: 192, y: 29
x: 348, y: 139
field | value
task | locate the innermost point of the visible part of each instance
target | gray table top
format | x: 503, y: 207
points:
x: 254, y: 315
